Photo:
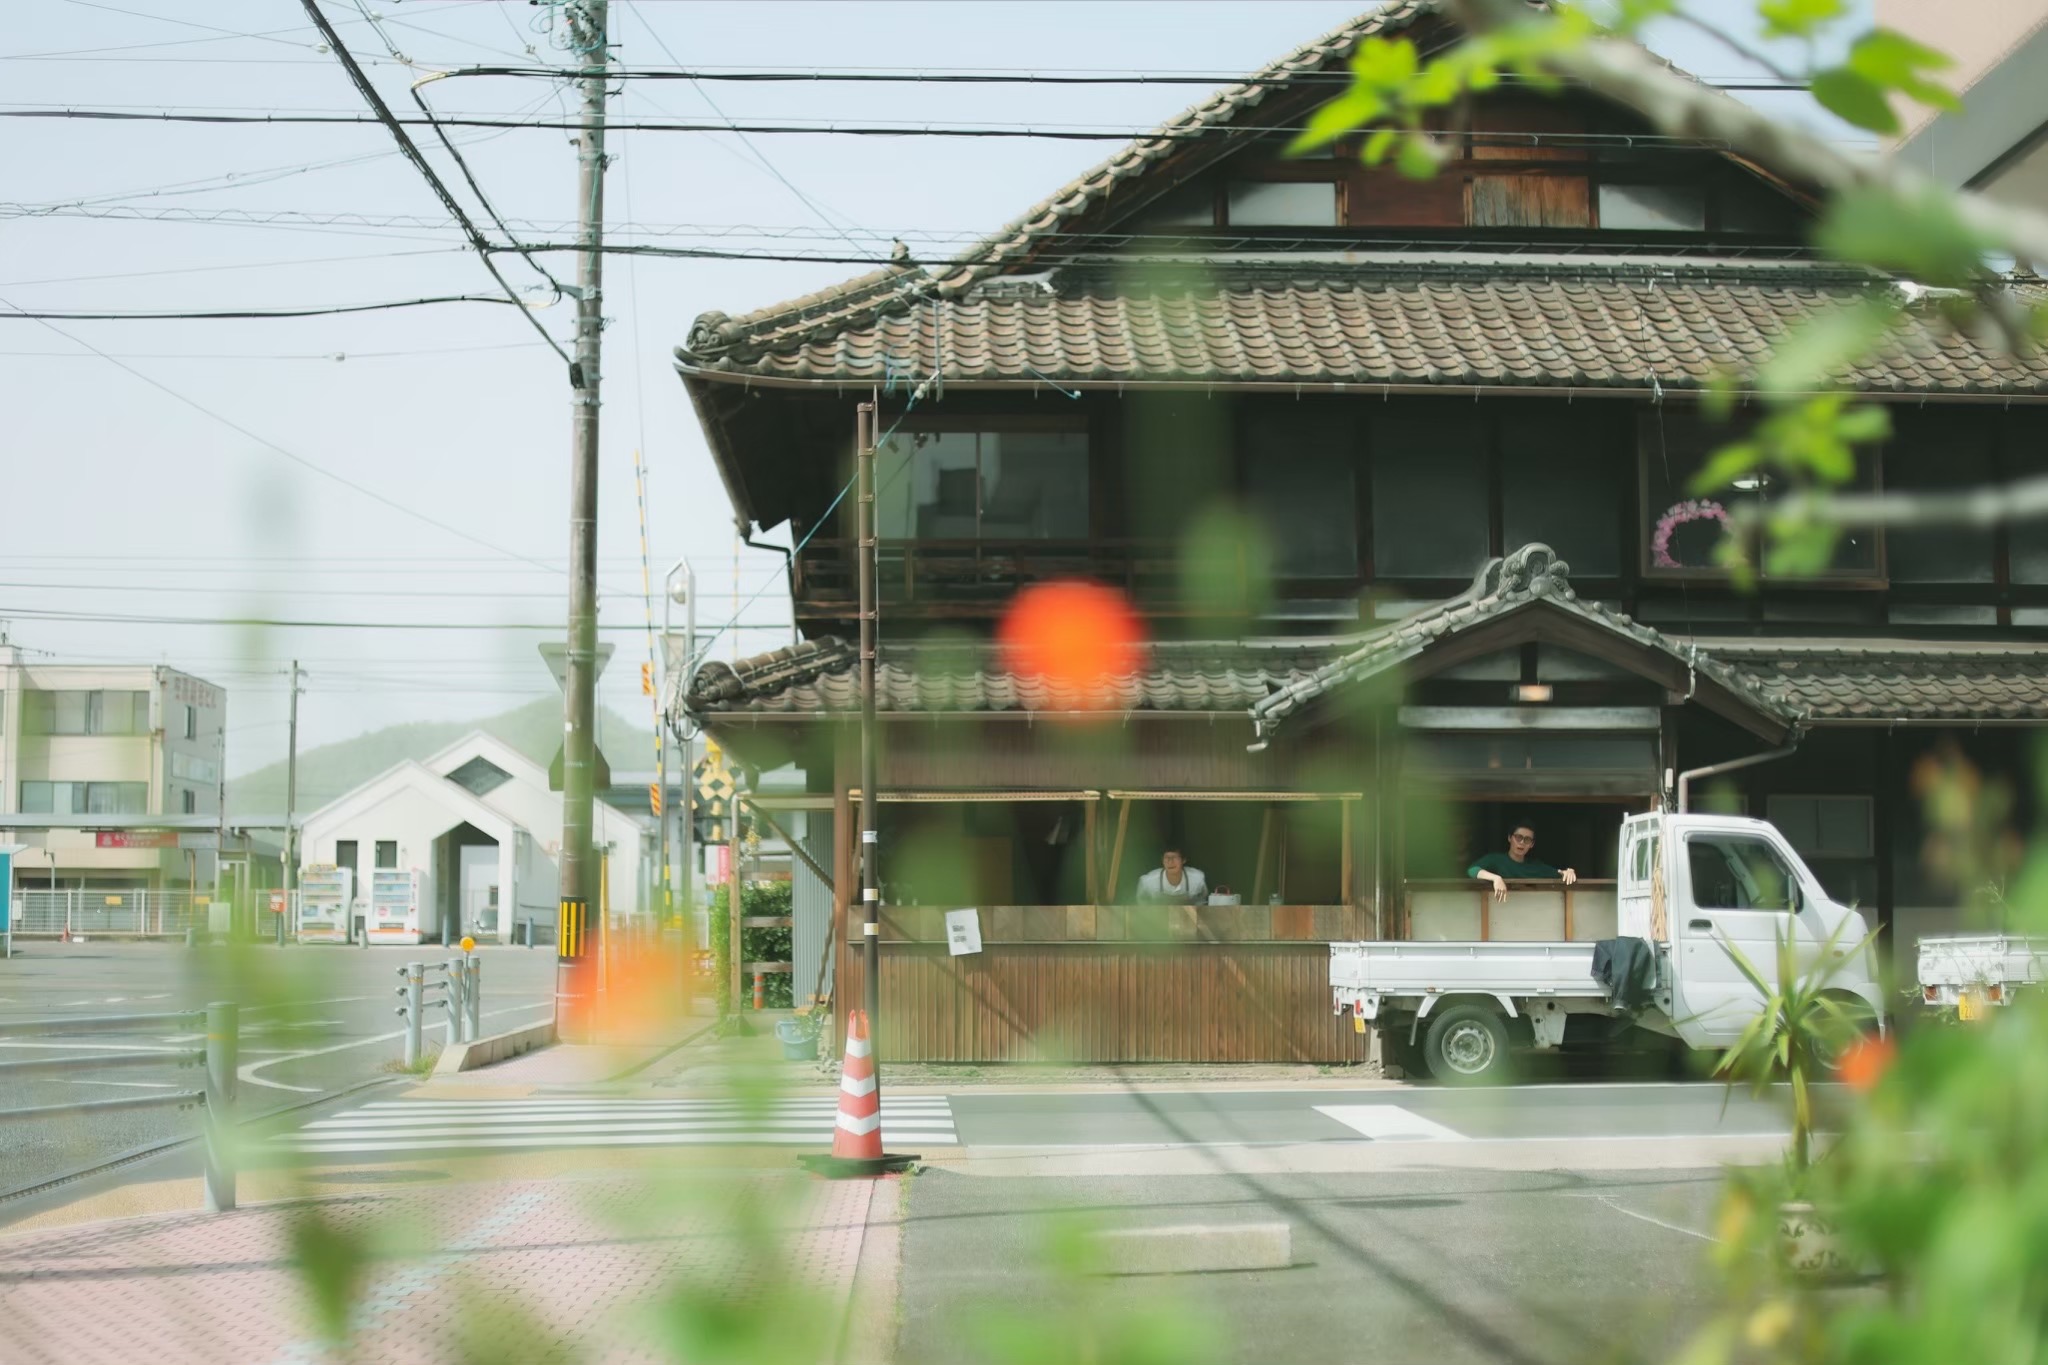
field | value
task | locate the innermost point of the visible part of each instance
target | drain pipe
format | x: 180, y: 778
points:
x: 746, y: 530
x: 1716, y: 769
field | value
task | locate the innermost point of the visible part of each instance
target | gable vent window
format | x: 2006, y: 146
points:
x: 480, y: 775
x: 1653, y: 208
x: 1281, y: 203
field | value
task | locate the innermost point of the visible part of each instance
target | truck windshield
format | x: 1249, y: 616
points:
x: 1737, y: 872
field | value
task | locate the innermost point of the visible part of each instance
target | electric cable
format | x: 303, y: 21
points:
x: 412, y: 154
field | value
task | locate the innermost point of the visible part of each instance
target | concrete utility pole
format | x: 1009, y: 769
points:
x: 579, y: 934
x: 291, y: 801
x: 868, y: 417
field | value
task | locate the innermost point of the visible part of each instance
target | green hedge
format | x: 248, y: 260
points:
x: 761, y: 899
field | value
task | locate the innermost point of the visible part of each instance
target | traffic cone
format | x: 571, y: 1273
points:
x: 857, y: 1136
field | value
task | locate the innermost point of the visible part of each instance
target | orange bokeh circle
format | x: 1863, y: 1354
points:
x: 1078, y: 637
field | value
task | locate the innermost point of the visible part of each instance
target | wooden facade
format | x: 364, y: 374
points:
x: 1291, y: 443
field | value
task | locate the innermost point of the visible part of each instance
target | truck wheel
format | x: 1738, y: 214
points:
x: 1467, y: 1045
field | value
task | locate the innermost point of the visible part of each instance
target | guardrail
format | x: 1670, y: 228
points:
x: 215, y: 1099
x: 127, y: 913
x: 458, y: 993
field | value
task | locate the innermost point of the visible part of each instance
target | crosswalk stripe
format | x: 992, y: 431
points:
x: 443, y: 1125
x: 1390, y: 1123
x: 733, y: 1139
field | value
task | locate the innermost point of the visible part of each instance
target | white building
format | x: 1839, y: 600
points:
x: 97, y: 749
x: 479, y: 824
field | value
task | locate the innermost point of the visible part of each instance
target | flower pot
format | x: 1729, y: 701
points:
x: 1808, y: 1242
x: 797, y: 1044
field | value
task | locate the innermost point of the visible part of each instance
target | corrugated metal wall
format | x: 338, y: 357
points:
x: 810, y: 902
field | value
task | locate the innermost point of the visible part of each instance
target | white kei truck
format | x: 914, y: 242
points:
x: 1686, y: 884
x: 1968, y: 973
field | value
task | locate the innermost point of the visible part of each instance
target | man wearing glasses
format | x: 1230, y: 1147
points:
x: 1516, y: 863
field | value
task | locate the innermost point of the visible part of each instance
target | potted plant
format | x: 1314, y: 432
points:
x: 1802, y: 1033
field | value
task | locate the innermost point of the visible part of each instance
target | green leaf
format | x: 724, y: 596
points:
x: 1922, y: 238
x: 1892, y: 61
x: 1383, y: 64
x: 1419, y: 156
x: 1854, y: 98
x: 1358, y: 105
x: 1862, y: 424
x: 1798, y: 18
x: 1728, y: 464
x: 1378, y: 145
x: 1811, y: 355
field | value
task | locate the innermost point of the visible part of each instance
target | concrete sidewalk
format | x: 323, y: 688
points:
x: 605, y: 1268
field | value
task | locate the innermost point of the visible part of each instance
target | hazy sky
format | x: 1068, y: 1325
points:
x: 124, y: 500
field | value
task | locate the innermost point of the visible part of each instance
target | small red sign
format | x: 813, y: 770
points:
x: 135, y: 838
x: 277, y: 902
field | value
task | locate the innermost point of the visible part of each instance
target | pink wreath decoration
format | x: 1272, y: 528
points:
x: 1682, y: 514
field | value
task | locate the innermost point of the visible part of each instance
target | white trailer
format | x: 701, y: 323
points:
x: 1687, y: 885
x: 1966, y: 972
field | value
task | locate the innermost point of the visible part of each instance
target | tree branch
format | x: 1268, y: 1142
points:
x: 1626, y: 72
x: 1990, y: 505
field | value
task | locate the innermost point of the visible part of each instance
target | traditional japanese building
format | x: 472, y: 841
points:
x: 1397, y: 475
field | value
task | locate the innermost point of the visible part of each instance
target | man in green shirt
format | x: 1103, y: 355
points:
x: 1516, y: 863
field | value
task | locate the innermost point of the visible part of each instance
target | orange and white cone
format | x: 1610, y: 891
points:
x: 858, y: 1136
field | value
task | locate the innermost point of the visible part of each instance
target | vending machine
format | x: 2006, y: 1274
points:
x: 326, y: 893
x: 397, y: 899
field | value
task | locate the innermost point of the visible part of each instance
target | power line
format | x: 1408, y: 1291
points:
x: 900, y: 129
x: 291, y: 455
x: 247, y: 314
x: 412, y: 154
x: 276, y: 623
x: 236, y: 265
x: 329, y: 357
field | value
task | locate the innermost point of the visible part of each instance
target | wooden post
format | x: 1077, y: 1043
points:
x: 1568, y: 913
x: 1485, y: 911
x: 1090, y: 836
x: 1259, y: 865
x: 1345, y: 888
x: 1116, y: 852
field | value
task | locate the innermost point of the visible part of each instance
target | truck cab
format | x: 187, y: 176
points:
x: 1688, y: 887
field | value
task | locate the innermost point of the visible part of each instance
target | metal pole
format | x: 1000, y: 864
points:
x: 473, y: 993
x: 451, y: 1002
x: 415, y: 979
x: 870, y: 805
x: 291, y: 800
x: 221, y: 1049
x: 576, y: 984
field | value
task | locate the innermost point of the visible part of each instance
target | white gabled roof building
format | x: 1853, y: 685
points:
x: 479, y: 823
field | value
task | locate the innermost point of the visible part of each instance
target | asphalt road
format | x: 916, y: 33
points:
x: 1445, y: 1267
x: 314, y: 1020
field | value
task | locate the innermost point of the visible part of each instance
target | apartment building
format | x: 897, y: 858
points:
x: 99, y: 749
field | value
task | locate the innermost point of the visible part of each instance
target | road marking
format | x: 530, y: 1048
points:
x: 98, y: 1047
x: 1390, y: 1123
x: 1656, y: 1222
x: 454, y: 1125
x: 248, y: 1073
x: 128, y: 1085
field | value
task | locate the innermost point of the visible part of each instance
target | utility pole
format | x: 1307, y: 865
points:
x: 866, y: 419
x: 291, y: 801
x: 579, y: 933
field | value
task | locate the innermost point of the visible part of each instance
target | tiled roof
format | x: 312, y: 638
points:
x: 819, y: 676
x: 1012, y: 244
x: 1531, y: 575
x: 1878, y: 683
x: 1473, y: 321
x: 1837, y: 684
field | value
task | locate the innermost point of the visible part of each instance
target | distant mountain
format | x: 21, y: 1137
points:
x: 335, y: 769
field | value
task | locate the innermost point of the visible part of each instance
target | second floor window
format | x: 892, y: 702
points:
x: 85, y: 798
x: 85, y: 713
x: 982, y: 485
